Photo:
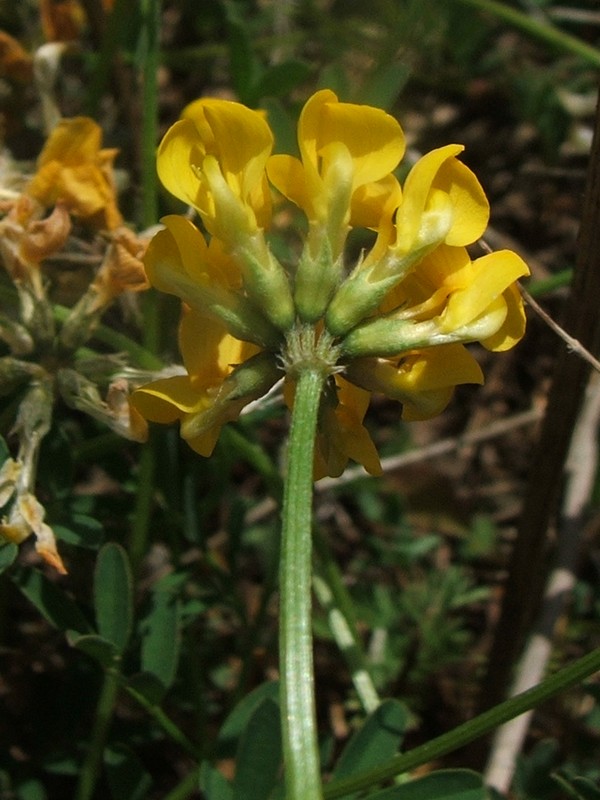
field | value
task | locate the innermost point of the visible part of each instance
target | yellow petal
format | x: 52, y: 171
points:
x: 436, y: 175
x: 513, y: 328
x: 179, y: 153
x: 470, y: 206
x: 309, y: 125
x: 492, y: 275
x: 180, y: 249
x: 375, y: 139
x: 209, y: 352
x: 373, y: 204
x: 341, y: 434
x: 243, y: 141
x: 73, y: 141
x: 422, y: 380
x: 287, y: 174
x: 73, y: 169
x: 168, y: 399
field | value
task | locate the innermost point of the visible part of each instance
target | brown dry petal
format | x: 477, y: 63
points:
x: 15, y: 62
x: 15, y: 531
x: 72, y: 167
x: 62, y: 20
x: 46, y: 236
x: 32, y: 513
x: 122, y: 269
x: 26, y: 240
x: 130, y: 422
x: 9, y: 474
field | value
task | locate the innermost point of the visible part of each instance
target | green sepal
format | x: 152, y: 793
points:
x: 246, y: 383
x: 385, y: 336
x: 317, y: 278
x: 265, y: 280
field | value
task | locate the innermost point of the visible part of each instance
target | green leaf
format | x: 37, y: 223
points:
x: 98, y: 648
x: 84, y: 532
x: 377, y: 740
x: 333, y: 76
x: 113, y: 598
x: 578, y: 788
x: 213, y: 785
x: 239, y: 718
x: 280, y: 79
x: 385, y: 84
x: 31, y: 790
x: 244, y: 65
x: 8, y: 552
x: 54, y: 605
x: 283, y: 126
x: 161, y: 638
x: 149, y: 686
x: 127, y: 778
x: 258, y: 760
x: 451, y: 784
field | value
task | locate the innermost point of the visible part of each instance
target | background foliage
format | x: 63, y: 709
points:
x: 150, y: 669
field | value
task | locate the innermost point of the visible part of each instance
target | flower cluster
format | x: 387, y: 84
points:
x: 70, y: 202
x: 394, y: 323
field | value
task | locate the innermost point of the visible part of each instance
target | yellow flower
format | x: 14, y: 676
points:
x: 395, y: 324
x: 448, y: 298
x: 341, y: 434
x: 214, y: 160
x: 422, y: 380
x: 342, y: 179
x: 344, y: 148
x: 442, y: 202
x: 224, y: 374
x: 179, y: 261
x: 73, y: 168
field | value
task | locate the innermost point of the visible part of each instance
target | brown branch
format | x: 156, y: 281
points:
x: 528, y: 566
x: 573, y: 345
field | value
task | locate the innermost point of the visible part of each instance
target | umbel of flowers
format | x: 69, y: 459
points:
x: 396, y: 322
x: 70, y: 199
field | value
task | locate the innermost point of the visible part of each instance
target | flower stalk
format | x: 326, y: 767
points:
x: 301, y: 758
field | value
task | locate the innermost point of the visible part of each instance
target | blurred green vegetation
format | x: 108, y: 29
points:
x: 169, y: 660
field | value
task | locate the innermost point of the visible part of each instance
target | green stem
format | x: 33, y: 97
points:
x: 187, y: 787
x: 300, y: 748
x: 149, y: 133
x: 168, y: 726
x: 140, y: 524
x: 119, y: 342
x: 468, y: 731
x: 104, y: 712
x: 546, y: 32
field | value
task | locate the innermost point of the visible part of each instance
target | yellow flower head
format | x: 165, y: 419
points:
x: 396, y: 323
x: 346, y: 150
x: 214, y: 160
x: 73, y: 168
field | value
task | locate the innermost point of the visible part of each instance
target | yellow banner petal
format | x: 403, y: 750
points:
x: 375, y: 139
x: 179, y: 153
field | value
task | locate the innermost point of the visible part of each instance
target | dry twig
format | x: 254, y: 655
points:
x: 581, y: 469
